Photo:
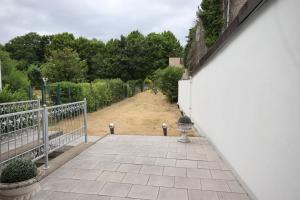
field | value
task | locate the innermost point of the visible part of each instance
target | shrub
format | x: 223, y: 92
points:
x: 88, y: 93
x: 117, y: 88
x: 168, y: 82
x: 64, y: 92
x: 102, y: 93
x: 18, y: 170
x: 7, y: 95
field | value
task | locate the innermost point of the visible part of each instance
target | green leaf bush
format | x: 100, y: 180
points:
x: 18, y: 170
x: 99, y: 93
x: 167, y: 80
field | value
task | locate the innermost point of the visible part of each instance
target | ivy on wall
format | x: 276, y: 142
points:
x: 211, y: 14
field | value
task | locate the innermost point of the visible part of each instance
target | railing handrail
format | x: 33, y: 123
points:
x: 20, y: 113
x: 67, y: 104
x: 18, y: 102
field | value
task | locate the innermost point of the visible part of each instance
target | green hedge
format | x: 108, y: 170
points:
x: 99, y: 93
x: 7, y: 95
x: 167, y: 80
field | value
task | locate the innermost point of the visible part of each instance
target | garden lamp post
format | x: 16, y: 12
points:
x: 111, y: 127
x: 184, y: 125
x: 165, y: 129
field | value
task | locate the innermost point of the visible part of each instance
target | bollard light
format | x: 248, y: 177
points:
x: 165, y: 129
x: 111, y: 127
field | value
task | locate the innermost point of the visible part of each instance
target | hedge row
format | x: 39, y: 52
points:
x: 99, y: 93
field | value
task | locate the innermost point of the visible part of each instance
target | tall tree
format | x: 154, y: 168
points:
x: 190, y: 41
x: 60, y: 41
x: 64, y: 65
x: 86, y: 50
x: 26, y: 48
x: 12, y: 77
x: 211, y: 14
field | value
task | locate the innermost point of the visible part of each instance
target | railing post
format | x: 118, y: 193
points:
x: 85, y: 121
x: 39, y: 119
x: 46, y: 136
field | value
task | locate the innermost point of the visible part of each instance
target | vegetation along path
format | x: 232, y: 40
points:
x: 142, y: 114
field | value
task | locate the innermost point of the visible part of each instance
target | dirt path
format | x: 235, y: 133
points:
x: 142, y: 114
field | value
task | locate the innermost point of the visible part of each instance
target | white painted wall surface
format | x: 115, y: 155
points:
x: 184, y: 96
x: 247, y: 101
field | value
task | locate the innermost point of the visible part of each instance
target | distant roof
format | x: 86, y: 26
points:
x: 248, y: 8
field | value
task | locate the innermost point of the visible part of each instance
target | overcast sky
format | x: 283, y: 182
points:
x: 101, y: 19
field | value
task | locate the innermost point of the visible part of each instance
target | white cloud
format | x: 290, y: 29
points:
x: 101, y: 19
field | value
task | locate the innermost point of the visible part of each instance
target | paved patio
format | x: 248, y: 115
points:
x: 121, y: 167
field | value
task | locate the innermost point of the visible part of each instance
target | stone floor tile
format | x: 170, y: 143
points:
x: 129, y: 168
x: 186, y: 163
x: 121, y: 198
x: 92, y: 197
x: 124, y: 159
x: 108, y: 166
x: 208, y: 165
x: 143, y: 192
x: 88, y: 187
x: 115, y: 189
x: 62, y: 196
x: 196, y: 156
x: 214, y: 185
x: 235, y: 186
x: 166, y: 162
x: 198, y: 173
x: 172, y: 194
x: 152, y: 169
x: 189, y: 183
x: 221, y: 174
x: 202, y: 195
x: 157, y: 154
x: 176, y: 155
x: 109, y: 176
x: 164, y: 181
x: 87, y: 174
x: 135, y: 178
x: 174, y: 171
x: 232, y: 196
x: 60, y: 185
x: 145, y: 160
x: 63, y: 173
x: 42, y: 195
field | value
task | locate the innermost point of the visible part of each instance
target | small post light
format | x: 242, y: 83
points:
x: 184, y: 125
x: 165, y: 129
x: 111, y: 127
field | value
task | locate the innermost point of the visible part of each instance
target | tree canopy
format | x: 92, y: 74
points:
x: 63, y: 57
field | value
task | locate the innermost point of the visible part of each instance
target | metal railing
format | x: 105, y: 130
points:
x: 12, y: 107
x: 28, y: 133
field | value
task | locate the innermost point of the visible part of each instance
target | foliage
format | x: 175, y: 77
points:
x: 168, y: 81
x: 35, y: 75
x: 27, y: 48
x: 190, y: 42
x: 62, y: 57
x: 7, y: 95
x: 211, y: 14
x: 64, y: 92
x: 102, y: 93
x: 99, y: 93
x: 10, y: 75
x: 18, y: 170
x: 64, y: 65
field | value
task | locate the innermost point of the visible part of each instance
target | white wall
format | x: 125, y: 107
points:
x: 184, y: 96
x: 247, y: 101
